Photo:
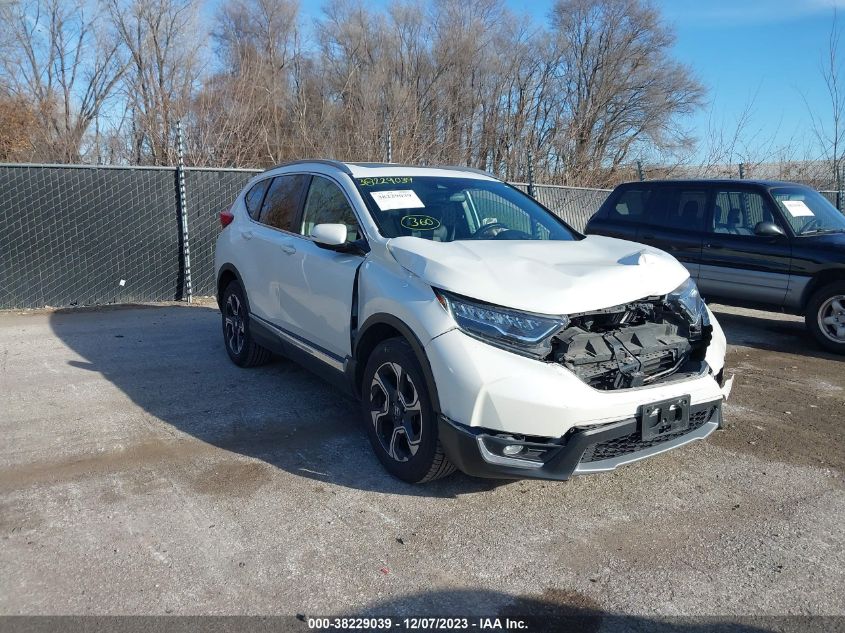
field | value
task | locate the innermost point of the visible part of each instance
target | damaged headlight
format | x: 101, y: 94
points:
x: 521, y: 332
x: 687, y: 301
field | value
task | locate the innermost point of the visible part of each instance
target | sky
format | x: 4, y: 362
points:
x: 766, y: 53
x: 760, y: 56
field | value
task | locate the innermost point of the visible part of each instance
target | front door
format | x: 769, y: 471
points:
x: 736, y: 263
x: 319, y: 283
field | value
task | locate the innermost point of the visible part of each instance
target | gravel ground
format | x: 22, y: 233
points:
x: 142, y: 473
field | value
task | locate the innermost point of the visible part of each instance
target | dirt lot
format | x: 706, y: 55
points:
x: 142, y: 473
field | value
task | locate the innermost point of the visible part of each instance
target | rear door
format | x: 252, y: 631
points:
x: 674, y: 222
x: 736, y: 263
x: 268, y: 240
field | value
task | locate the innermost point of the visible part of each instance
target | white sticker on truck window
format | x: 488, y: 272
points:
x: 797, y: 208
x: 397, y: 199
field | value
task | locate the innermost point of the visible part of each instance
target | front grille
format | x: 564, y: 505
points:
x: 633, y: 443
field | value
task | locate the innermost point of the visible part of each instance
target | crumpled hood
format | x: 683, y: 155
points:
x: 546, y: 277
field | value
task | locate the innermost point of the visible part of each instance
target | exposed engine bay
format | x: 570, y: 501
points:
x: 632, y: 345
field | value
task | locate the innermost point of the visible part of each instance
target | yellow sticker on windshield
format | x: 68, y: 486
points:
x: 420, y: 222
x: 387, y: 180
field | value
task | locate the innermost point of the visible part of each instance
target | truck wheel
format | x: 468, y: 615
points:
x: 825, y: 316
x: 399, y: 416
x: 243, y: 351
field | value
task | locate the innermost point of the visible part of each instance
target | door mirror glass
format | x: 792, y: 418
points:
x: 768, y: 229
x: 329, y: 234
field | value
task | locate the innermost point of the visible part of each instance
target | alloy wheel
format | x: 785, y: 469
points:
x: 235, y: 324
x: 396, y: 411
x: 832, y: 318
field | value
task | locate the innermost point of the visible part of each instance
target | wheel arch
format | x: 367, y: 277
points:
x: 820, y: 280
x: 380, y: 327
x: 226, y: 275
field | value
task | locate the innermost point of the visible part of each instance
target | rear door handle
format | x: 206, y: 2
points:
x: 713, y: 246
x: 287, y: 249
x: 247, y: 235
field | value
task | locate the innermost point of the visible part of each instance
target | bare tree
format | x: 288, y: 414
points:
x: 619, y: 85
x: 829, y: 128
x: 62, y: 59
x: 164, y: 68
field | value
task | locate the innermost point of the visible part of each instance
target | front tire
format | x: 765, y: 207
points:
x: 399, y: 416
x: 240, y: 346
x: 825, y: 316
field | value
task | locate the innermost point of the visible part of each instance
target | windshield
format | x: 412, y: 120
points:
x: 447, y: 209
x: 807, y: 211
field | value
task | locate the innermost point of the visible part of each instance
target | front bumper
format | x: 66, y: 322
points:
x: 482, y: 386
x: 601, y: 448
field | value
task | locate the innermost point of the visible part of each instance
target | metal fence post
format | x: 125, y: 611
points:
x: 530, y: 175
x: 183, y: 210
x: 640, y: 170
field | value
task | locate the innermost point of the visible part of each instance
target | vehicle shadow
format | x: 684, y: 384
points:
x: 170, y: 362
x: 769, y: 333
x: 554, y: 610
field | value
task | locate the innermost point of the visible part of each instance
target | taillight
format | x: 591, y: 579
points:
x: 226, y: 217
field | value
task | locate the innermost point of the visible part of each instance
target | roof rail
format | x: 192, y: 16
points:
x: 452, y: 167
x: 332, y: 163
x: 471, y: 170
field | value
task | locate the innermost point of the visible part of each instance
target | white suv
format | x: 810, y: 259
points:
x: 478, y: 330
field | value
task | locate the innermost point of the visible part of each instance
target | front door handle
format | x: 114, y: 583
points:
x: 713, y: 246
x: 287, y: 249
x: 247, y: 235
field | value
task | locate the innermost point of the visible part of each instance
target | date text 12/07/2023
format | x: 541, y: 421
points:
x: 417, y: 624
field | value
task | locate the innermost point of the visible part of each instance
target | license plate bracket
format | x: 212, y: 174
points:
x: 664, y: 418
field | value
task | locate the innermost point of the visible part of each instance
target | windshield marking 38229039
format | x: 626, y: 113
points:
x: 445, y: 209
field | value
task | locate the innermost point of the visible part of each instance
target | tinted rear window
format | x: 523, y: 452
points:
x: 630, y: 205
x: 685, y: 209
x: 282, y: 201
x: 254, y: 196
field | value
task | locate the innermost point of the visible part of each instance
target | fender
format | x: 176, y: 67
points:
x: 383, y: 318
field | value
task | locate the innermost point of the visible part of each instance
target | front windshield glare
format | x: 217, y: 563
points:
x: 449, y: 209
x: 807, y: 211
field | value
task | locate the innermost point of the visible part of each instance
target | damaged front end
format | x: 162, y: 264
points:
x: 639, y: 343
x: 645, y: 342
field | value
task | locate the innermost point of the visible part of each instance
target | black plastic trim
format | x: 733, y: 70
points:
x: 382, y: 318
x: 460, y: 442
x: 266, y: 337
x: 224, y: 269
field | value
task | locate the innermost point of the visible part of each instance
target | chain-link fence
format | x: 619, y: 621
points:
x: 81, y: 235
x: 575, y: 205
x: 86, y: 235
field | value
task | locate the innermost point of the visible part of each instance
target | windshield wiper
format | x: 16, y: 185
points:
x: 817, y: 231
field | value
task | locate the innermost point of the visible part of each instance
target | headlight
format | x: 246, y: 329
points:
x: 687, y: 301
x: 521, y: 332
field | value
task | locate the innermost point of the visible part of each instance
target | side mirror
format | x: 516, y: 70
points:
x: 329, y: 234
x: 768, y: 229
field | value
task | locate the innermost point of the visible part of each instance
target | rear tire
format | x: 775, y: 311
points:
x: 240, y: 346
x: 825, y: 316
x: 399, y: 416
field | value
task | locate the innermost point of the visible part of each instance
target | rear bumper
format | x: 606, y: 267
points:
x: 477, y: 451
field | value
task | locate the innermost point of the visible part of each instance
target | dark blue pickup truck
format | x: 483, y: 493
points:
x: 745, y: 242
